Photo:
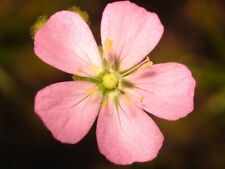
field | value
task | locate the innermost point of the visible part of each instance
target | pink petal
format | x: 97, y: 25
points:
x: 67, y: 109
x: 165, y: 90
x: 133, y: 31
x: 126, y: 134
x: 67, y: 43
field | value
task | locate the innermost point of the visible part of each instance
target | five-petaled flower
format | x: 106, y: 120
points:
x: 117, y: 85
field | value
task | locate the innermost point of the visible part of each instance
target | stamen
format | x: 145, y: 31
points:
x: 91, y: 91
x: 129, y: 99
x: 105, y: 104
x: 79, y: 69
x: 107, y: 47
x: 141, y: 66
x: 108, y: 44
x: 146, y: 65
x: 142, y: 99
x: 110, y: 81
x: 94, y: 69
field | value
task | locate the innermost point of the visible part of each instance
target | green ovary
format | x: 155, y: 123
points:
x: 110, y: 81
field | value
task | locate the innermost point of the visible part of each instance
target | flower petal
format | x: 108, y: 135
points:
x: 132, y: 30
x: 126, y: 134
x: 68, y: 109
x: 165, y: 90
x: 67, y: 43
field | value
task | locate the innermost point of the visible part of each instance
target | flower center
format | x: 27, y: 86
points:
x: 110, y: 81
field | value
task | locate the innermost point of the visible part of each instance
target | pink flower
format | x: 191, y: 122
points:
x: 118, y: 85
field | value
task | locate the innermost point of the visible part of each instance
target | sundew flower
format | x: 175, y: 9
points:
x: 117, y: 85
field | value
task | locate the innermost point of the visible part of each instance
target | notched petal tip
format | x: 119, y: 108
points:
x: 134, y: 31
x: 126, y: 134
x: 170, y: 90
x: 62, y: 43
x: 63, y: 109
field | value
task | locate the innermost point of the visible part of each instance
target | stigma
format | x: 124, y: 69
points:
x: 110, y: 81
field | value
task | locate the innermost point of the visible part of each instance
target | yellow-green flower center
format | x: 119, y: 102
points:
x: 110, y: 80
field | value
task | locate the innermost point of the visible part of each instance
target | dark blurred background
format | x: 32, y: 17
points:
x: 194, y: 35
